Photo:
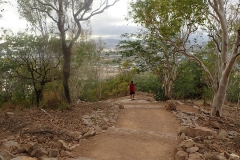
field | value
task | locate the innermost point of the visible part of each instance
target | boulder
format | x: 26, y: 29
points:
x: 170, y: 105
x: 198, y: 131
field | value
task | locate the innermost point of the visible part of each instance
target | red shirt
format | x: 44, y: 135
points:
x: 131, y: 86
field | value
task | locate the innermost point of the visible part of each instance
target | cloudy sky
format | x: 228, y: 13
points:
x: 110, y: 24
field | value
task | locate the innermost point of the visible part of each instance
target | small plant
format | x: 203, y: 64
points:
x: 63, y: 106
x: 51, y: 100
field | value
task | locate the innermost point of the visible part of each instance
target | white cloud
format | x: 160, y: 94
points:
x: 111, y: 23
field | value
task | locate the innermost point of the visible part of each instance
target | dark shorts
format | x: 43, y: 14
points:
x: 132, y: 93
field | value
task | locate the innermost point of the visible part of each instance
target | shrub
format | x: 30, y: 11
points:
x: 51, y: 99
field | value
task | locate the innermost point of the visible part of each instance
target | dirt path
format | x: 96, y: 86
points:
x: 144, y: 131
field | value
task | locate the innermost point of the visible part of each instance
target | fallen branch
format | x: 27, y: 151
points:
x: 46, y: 112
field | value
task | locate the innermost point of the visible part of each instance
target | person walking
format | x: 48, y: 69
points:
x: 132, y: 90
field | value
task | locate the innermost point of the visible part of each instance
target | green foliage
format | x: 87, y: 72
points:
x: 189, y: 85
x: 233, y: 88
x: 29, y: 62
x: 148, y: 82
x: 166, y: 16
x: 64, y: 106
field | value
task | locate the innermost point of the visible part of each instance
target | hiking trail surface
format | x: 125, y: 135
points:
x: 121, y: 129
x: 144, y: 130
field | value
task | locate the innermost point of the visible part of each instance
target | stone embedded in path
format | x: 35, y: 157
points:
x: 170, y: 105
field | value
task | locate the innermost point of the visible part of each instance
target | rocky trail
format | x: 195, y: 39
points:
x: 121, y: 129
x: 142, y: 132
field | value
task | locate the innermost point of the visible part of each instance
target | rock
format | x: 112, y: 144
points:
x: 66, y: 154
x: 227, y: 155
x: 64, y: 145
x: 87, y: 122
x: 38, y: 152
x: 121, y: 106
x: 56, y: 145
x: 195, y: 156
x: 49, y: 158
x: 183, y: 136
x: 198, y: 131
x: 23, y: 158
x: 90, y: 133
x: 53, y: 153
x: 105, y: 127
x: 222, y: 134
x: 29, y: 147
x: 196, y: 107
x: 80, y: 158
x: 98, y: 129
x: 19, y: 150
x: 86, y: 117
x: 232, y: 133
x: 106, y: 120
x: 215, y: 124
x: 40, y: 139
x: 10, y: 138
x: 170, y: 105
x: 214, y: 147
x: 234, y: 156
x: 5, y: 155
x: 192, y: 149
x: 187, y: 143
x: 9, y: 145
x: 214, y: 156
x: 181, y: 155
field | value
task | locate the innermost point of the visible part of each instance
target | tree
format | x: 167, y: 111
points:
x: 155, y: 56
x: 31, y: 58
x: 174, y: 21
x: 67, y: 17
x: 86, y: 65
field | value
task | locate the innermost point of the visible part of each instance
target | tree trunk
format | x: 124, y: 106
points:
x: 39, y: 96
x: 168, y: 91
x: 219, y: 97
x: 220, y: 94
x: 66, y: 74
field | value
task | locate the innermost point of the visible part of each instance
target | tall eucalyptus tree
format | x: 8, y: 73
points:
x: 175, y: 21
x: 66, y: 18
